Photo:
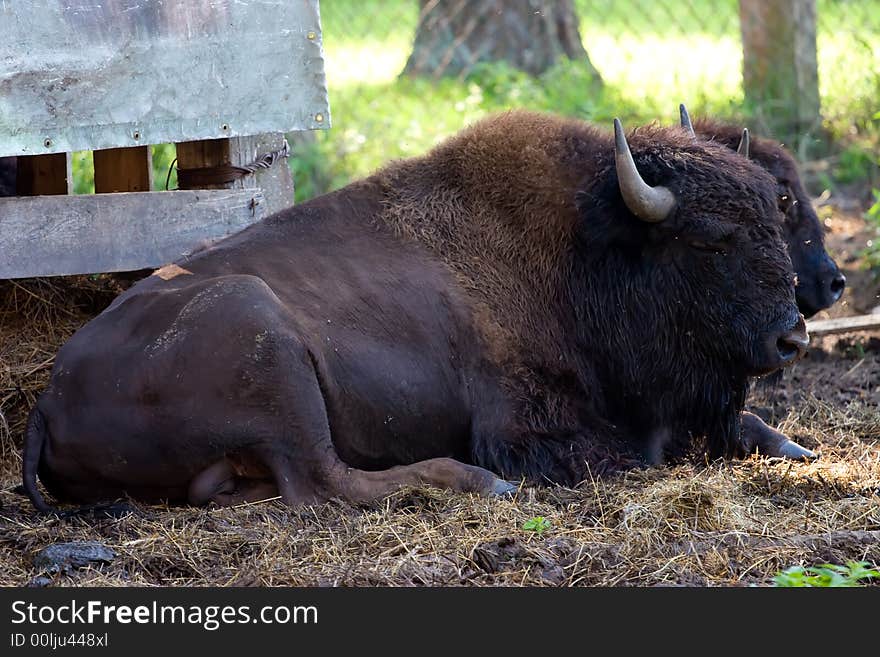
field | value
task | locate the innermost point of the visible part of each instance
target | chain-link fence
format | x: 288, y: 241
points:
x: 404, y: 73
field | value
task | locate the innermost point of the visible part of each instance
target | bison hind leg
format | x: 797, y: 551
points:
x: 301, y: 457
x: 221, y: 484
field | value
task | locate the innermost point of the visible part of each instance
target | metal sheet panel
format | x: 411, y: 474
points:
x: 90, y: 74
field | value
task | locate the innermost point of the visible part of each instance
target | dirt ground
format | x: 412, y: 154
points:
x: 694, y: 524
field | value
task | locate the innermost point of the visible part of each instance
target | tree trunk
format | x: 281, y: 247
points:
x: 455, y: 35
x: 780, y: 77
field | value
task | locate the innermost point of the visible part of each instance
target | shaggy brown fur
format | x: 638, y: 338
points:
x: 495, y: 204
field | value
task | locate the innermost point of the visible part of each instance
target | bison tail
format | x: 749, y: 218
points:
x: 34, y: 439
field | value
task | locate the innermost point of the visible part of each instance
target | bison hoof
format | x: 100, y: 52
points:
x: 791, y: 450
x: 501, y: 488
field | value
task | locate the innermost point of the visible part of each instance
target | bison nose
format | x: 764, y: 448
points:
x: 836, y: 287
x: 792, y: 344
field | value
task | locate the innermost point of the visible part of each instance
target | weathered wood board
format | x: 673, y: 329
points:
x: 88, y: 75
x: 60, y: 235
x: 843, y: 325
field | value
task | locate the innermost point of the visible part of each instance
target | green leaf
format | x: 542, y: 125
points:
x: 826, y: 575
x: 537, y: 524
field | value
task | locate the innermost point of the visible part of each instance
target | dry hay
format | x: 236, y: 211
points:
x: 36, y: 317
x: 718, y: 524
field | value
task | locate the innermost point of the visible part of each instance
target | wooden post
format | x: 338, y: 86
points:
x: 780, y: 71
x: 40, y: 175
x: 123, y: 170
x: 276, y: 181
x: 201, y: 155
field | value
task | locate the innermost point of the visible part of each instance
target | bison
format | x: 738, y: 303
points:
x: 530, y: 300
x: 819, y: 281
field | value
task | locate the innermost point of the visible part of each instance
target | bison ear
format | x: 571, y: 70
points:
x: 743, y: 148
x: 651, y: 204
x: 686, y: 121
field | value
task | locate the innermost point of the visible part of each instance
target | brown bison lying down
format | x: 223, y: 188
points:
x: 525, y: 301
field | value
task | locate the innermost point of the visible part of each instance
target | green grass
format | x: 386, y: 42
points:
x: 854, y: 573
x: 378, y: 116
x: 872, y: 251
x: 849, y: 64
x: 376, y: 123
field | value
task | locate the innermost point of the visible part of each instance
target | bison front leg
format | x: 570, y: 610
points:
x: 365, y: 486
x: 756, y: 435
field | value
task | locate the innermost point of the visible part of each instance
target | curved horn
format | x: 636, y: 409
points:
x: 743, y: 148
x: 651, y: 204
x: 686, y: 120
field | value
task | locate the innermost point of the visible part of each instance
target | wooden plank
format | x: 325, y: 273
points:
x: 123, y: 170
x: 203, y: 154
x: 44, y: 174
x: 843, y: 325
x: 275, y: 181
x: 52, y: 236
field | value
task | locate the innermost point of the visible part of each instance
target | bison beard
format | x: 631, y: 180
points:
x: 492, y: 308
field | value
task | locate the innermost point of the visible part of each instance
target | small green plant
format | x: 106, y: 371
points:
x: 853, y: 349
x: 826, y: 575
x: 859, y: 350
x: 872, y: 251
x: 538, y: 524
x: 873, y: 213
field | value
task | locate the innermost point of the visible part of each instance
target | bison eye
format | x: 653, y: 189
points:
x: 786, y: 201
